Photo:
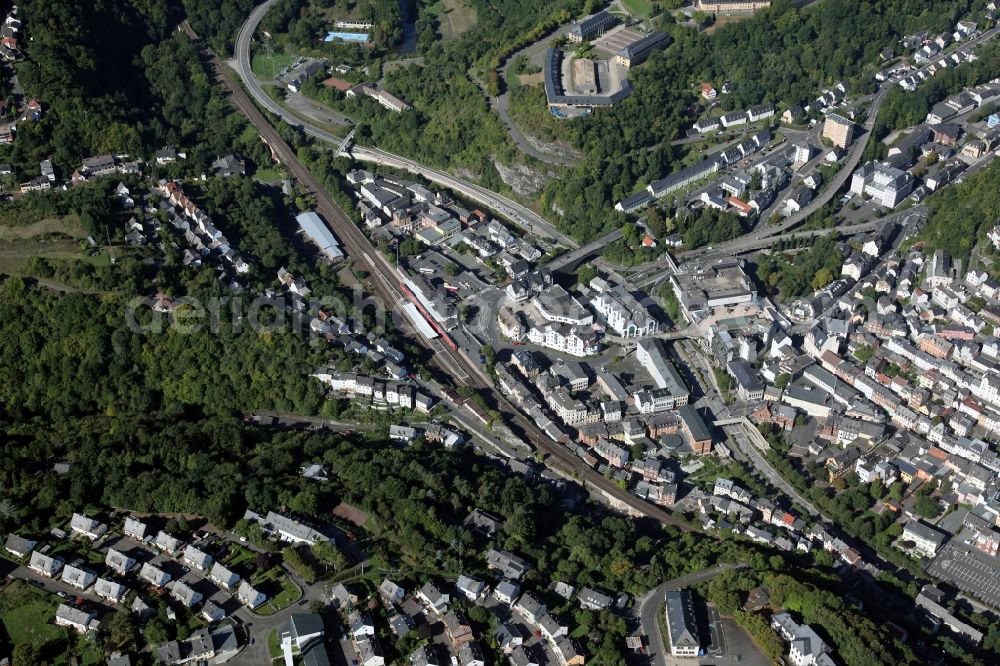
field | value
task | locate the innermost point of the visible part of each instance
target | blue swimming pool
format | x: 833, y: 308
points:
x: 347, y: 36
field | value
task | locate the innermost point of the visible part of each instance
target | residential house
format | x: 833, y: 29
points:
x: 166, y: 543
x: 593, y: 600
x: 370, y: 652
x: 530, y: 607
x: 926, y: 539
x: 470, y: 654
x: 509, y: 565
x: 506, y: 592
x: 249, y: 596
x: 433, y: 598
x: 185, y: 594
x: 135, y: 529
x: 154, y: 575
x: 19, y: 546
x: 88, y: 527
x: 77, y: 577
x: 197, y: 558
x: 110, y: 590
x: 472, y: 589
x: 360, y: 624
x: 76, y: 619
x: 390, y: 592
x: 44, y: 565
x: 223, y: 576
x: 457, y: 628
x: 119, y: 562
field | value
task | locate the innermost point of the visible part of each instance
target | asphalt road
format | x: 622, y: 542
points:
x: 385, y: 284
x: 515, y: 212
x: 571, y: 259
x: 649, y: 607
x: 754, y: 454
x: 831, y: 189
x: 501, y: 103
x: 657, y: 272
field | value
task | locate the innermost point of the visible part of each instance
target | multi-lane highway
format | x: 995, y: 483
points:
x: 463, y: 370
x: 513, y: 211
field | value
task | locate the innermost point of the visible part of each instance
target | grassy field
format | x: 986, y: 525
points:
x: 273, y: 644
x: 638, y: 8
x: 535, y: 79
x: 57, y: 239
x: 239, y: 558
x: 263, y: 68
x: 455, y: 17
x: 269, y: 175
x: 27, y: 615
x: 290, y: 593
x: 67, y: 226
x: 15, y: 256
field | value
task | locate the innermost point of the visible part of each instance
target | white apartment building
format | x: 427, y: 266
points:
x: 883, y: 183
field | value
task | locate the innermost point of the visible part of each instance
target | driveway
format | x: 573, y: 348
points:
x: 649, y: 607
x: 501, y: 104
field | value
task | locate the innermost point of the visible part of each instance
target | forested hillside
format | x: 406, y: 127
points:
x: 779, y: 56
x: 114, y: 77
x: 962, y: 214
x: 79, y: 64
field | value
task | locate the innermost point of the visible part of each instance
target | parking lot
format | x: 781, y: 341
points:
x: 972, y: 572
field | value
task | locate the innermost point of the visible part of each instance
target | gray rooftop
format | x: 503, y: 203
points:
x: 681, y: 624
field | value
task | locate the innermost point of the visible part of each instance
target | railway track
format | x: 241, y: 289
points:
x: 386, y: 287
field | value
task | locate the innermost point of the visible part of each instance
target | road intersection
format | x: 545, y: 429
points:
x: 515, y: 212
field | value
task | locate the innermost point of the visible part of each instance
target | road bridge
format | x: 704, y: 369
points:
x: 517, y: 213
x: 463, y: 370
x: 569, y: 260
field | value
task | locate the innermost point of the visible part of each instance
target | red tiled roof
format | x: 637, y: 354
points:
x: 739, y: 203
x: 940, y: 454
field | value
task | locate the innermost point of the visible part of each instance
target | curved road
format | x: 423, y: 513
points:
x: 649, y: 608
x: 501, y: 103
x: 463, y: 370
x: 839, y: 180
x: 515, y: 212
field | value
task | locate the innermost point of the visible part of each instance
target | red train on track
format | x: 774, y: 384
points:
x: 428, y: 318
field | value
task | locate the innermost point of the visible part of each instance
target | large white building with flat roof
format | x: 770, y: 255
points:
x: 883, y: 183
x: 720, y: 284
